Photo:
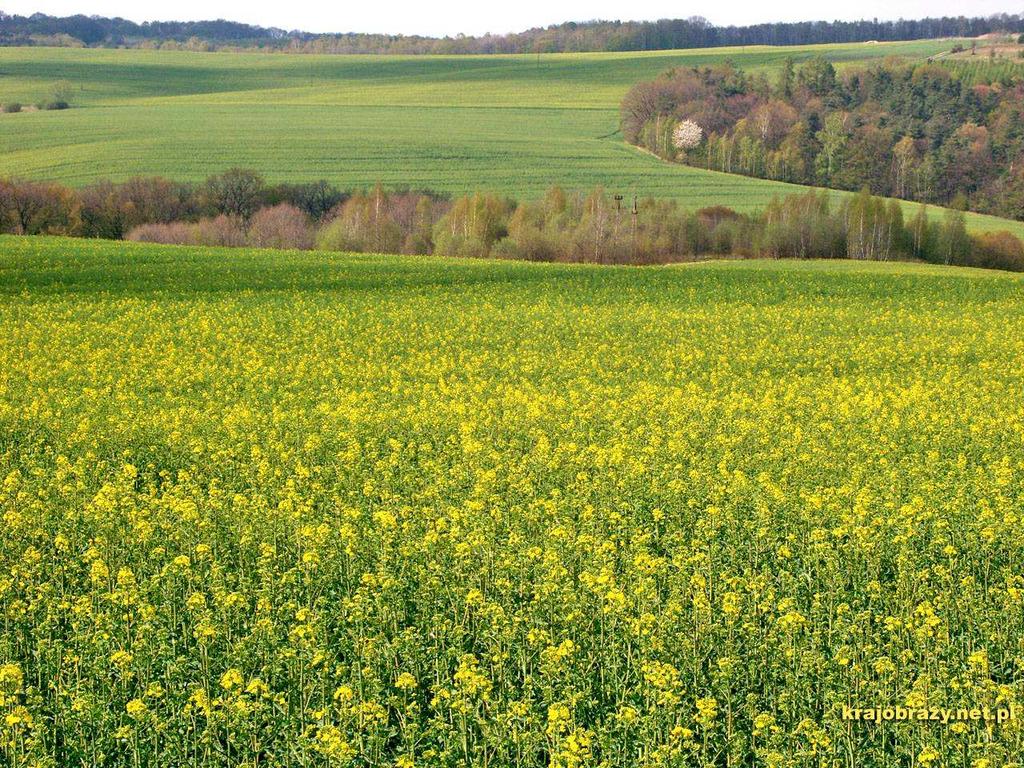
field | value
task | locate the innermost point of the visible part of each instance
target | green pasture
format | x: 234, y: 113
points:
x: 509, y: 124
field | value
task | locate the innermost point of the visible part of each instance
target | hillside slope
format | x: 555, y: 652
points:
x: 513, y: 124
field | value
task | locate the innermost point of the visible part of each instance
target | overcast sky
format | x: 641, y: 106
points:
x: 444, y: 17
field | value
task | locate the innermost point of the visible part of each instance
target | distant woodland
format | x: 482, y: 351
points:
x: 40, y: 29
x: 914, y: 131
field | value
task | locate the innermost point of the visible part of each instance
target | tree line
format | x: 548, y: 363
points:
x: 913, y: 131
x: 238, y: 209
x: 117, y: 32
x: 695, y: 32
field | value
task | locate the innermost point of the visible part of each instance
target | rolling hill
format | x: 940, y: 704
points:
x: 512, y: 124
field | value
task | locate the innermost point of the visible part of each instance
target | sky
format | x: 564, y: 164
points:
x: 439, y: 18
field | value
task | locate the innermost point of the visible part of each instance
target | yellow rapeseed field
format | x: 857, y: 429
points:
x: 283, y: 509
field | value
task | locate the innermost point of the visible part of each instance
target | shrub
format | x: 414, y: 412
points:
x: 726, y: 238
x: 177, y: 233
x: 529, y: 242
x: 334, y: 236
x: 507, y: 248
x: 997, y: 250
x: 54, y: 105
x: 715, y: 214
x: 596, y: 228
x: 12, y: 107
x: 283, y: 226
x: 224, y: 231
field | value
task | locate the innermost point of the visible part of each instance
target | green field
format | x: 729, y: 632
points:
x: 981, y: 69
x: 513, y: 124
x: 280, y: 508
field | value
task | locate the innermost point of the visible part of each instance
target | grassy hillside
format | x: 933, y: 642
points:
x: 515, y: 124
x: 307, y: 508
x: 553, y: 80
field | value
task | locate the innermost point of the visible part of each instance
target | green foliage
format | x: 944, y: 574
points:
x: 472, y: 226
x: 803, y: 226
x: 915, y: 131
x: 953, y: 242
x: 874, y: 230
x: 237, y: 192
x: 595, y: 227
x: 379, y: 222
x: 787, y: 76
x: 818, y: 76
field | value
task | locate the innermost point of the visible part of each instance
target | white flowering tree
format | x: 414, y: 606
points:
x: 687, y: 135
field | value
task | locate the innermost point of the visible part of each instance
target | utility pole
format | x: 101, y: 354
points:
x: 632, y: 246
x: 618, y: 216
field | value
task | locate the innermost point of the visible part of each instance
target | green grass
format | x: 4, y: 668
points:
x: 295, y: 509
x: 511, y: 124
x: 569, y: 80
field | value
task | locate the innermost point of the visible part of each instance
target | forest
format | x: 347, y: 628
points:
x: 664, y: 34
x: 913, y: 131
